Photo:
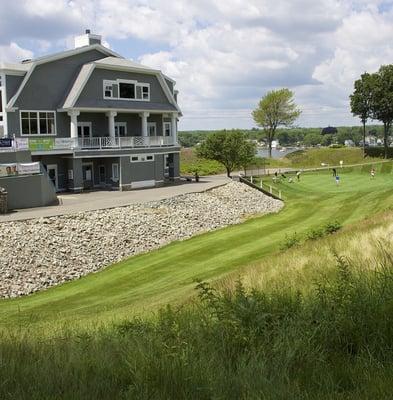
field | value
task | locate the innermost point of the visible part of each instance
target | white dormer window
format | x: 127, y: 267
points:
x: 108, y: 90
x: 122, y: 89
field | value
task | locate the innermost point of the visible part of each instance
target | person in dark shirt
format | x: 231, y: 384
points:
x: 334, y: 172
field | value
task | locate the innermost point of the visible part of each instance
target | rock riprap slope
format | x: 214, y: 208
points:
x: 37, y: 254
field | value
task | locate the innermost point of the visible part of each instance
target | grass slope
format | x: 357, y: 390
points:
x: 144, y: 282
x: 301, y: 324
x: 331, y: 156
x: 189, y: 162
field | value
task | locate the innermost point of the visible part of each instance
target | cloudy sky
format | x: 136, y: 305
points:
x: 224, y: 54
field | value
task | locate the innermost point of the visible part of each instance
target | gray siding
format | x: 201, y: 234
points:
x: 134, y: 123
x: 157, y: 118
x: 159, y: 167
x: 47, y: 89
x: 50, y: 83
x: 12, y: 84
x: 99, y: 123
x: 142, y: 171
x: 15, y: 157
x: 75, y: 164
x: 92, y: 95
x: 170, y: 85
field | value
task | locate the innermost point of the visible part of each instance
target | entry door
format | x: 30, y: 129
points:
x: 102, y: 174
x: 84, y: 130
x: 87, y: 173
x: 120, y: 129
x: 166, y: 166
x: 152, y: 129
x: 52, y: 173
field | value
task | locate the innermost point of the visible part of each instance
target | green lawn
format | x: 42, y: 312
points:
x: 143, y: 283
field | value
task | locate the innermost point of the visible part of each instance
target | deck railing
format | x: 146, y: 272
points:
x: 91, y: 143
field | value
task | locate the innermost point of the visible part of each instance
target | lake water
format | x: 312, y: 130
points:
x: 276, y: 153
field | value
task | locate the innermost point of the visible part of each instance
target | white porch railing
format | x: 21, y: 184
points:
x: 92, y: 143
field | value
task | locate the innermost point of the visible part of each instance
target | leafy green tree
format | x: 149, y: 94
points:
x: 361, y: 101
x: 230, y: 148
x: 382, y: 100
x: 312, y: 139
x: 326, y: 140
x: 276, y: 108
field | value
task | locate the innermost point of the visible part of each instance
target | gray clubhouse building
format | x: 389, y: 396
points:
x: 92, y: 118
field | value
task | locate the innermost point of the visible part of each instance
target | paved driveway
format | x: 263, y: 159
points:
x: 71, y: 203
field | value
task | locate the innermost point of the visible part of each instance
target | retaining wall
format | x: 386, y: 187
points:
x: 28, y: 191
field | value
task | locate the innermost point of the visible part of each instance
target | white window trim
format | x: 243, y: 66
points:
x: 38, y: 134
x: 149, y: 124
x: 107, y: 83
x: 165, y: 123
x: 117, y: 82
x: 142, y: 158
x: 115, y: 166
x: 117, y: 124
x: 90, y: 164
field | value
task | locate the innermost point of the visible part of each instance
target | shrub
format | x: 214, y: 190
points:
x: 378, y: 152
x: 290, y: 241
x: 332, y: 227
x: 314, y: 234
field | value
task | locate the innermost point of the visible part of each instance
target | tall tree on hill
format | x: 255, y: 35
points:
x: 361, y: 101
x: 382, y: 100
x: 276, y: 108
x: 230, y: 148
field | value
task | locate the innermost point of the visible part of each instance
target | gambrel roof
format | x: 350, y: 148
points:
x: 30, y: 65
x: 119, y: 64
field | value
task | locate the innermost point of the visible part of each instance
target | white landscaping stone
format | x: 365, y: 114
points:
x: 37, y: 254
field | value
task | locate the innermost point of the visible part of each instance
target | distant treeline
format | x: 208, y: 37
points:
x: 293, y: 136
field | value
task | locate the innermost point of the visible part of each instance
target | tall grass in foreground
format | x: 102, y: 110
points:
x: 332, y: 342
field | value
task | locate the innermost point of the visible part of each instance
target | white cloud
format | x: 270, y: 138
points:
x: 13, y: 53
x: 225, y: 54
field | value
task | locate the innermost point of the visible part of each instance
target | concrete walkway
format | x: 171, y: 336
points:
x: 71, y: 203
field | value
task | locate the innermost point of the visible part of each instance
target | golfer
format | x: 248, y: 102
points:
x: 298, y: 175
x: 337, y: 180
x: 372, y: 173
x: 334, y: 172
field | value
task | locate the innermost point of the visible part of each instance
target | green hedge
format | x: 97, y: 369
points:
x: 379, y: 152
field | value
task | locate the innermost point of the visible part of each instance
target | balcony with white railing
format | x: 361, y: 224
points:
x: 92, y: 143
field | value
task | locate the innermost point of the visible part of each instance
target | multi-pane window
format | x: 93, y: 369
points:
x: 126, y: 90
x: 120, y: 129
x: 142, y: 158
x: 152, y: 129
x: 167, y: 129
x: 108, y: 90
x: 38, y: 123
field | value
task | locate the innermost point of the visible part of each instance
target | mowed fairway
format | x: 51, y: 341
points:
x: 143, y: 283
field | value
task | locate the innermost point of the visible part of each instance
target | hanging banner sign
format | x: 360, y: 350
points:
x: 41, y: 144
x: 8, y: 169
x: 29, y: 168
x: 5, y: 142
x: 22, y: 143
